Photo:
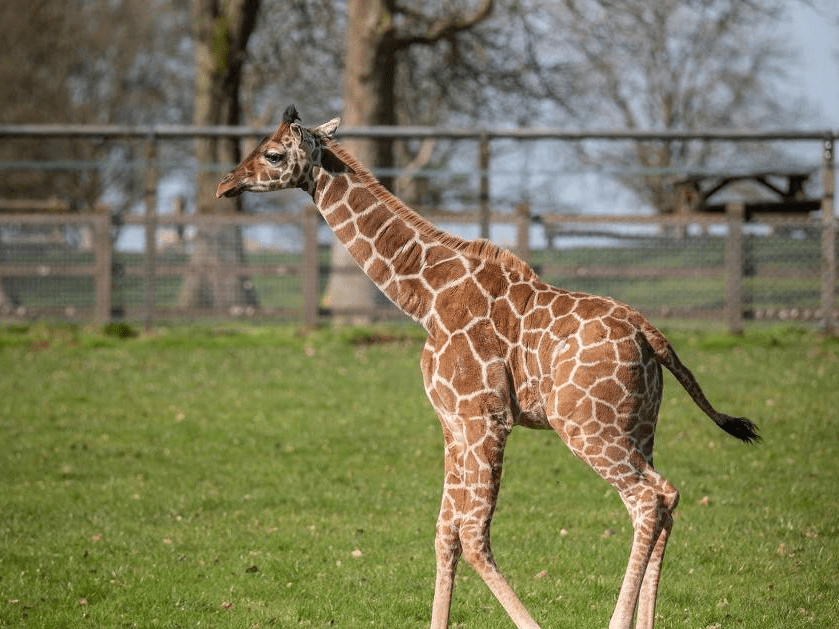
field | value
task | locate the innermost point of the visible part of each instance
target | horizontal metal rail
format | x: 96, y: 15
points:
x: 529, y: 133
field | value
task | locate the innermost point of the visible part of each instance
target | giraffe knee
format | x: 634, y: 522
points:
x: 665, y: 495
x: 668, y: 496
x: 666, y: 500
x: 653, y: 502
x: 447, y: 545
x: 474, y: 543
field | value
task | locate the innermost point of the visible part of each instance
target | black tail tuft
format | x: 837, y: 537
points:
x: 739, y: 427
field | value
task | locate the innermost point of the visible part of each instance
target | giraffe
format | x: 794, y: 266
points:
x: 503, y: 349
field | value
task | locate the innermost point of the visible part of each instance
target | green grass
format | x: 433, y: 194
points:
x: 199, y: 477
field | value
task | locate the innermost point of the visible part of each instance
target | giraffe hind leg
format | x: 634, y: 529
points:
x: 650, y: 503
x: 649, y: 586
x: 624, y: 460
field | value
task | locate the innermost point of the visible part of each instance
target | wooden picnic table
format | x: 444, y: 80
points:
x: 693, y: 192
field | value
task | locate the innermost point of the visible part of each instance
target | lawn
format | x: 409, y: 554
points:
x: 272, y: 477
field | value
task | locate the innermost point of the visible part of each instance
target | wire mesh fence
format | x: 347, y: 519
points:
x: 203, y: 267
x: 689, y: 275
x: 242, y: 267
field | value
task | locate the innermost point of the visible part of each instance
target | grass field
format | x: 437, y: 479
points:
x: 259, y: 477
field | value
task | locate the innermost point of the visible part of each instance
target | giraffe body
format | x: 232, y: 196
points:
x: 503, y: 349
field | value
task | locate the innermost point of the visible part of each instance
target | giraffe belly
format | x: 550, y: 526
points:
x: 530, y: 409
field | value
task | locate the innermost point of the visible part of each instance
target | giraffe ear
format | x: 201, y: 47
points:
x: 327, y: 129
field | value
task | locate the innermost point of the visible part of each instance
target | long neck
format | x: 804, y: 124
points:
x: 406, y: 256
x: 389, y: 241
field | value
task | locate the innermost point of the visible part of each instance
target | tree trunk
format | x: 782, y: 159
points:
x: 369, y: 99
x: 222, y: 29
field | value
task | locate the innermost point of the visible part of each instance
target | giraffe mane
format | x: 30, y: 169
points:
x: 481, y: 248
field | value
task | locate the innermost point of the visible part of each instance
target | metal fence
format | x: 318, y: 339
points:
x: 92, y: 264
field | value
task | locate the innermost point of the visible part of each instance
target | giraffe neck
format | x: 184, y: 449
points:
x: 387, y: 240
x: 406, y: 256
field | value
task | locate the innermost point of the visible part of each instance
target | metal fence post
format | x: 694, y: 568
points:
x: 735, y: 214
x: 150, y: 259
x: 828, y: 262
x: 310, y: 271
x: 103, y: 259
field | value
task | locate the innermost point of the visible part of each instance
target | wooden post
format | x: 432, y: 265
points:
x: 735, y: 214
x: 103, y: 260
x: 150, y: 260
x: 310, y: 271
x: 483, y: 191
x: 828, y: 265
x: 523, y: 231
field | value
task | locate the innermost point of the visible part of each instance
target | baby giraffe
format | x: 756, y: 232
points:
x: 503, y: 349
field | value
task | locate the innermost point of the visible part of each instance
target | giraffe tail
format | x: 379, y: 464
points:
x: 739, y: 427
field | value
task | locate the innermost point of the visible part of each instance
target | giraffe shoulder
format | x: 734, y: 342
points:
x: 487, y: 250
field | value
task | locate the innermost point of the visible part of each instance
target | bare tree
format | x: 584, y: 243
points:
x: 221, y: 32
x: 671, y: 65
x: 84, y: 61
x: 380, y: 33
x: 297, y: 56
x: 388, y: 62
x: 81, y: 61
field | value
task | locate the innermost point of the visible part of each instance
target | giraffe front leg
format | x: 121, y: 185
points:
x: 448, y: 552
x: 446, y: 545
x: 472, y: 484
x: 480, y: 558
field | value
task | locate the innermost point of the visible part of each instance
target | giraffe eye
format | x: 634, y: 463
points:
x: 274, y: 157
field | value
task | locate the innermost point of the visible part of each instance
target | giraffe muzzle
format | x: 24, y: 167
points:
x: 229, y: 187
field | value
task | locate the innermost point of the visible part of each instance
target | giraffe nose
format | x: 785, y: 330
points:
x: 227, y: 187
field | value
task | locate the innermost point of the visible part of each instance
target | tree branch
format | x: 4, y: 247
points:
x: 443, y: 29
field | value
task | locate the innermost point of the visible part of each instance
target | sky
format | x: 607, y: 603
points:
x: 816, y: 35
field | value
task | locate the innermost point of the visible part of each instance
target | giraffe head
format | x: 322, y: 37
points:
x: 284, y: 160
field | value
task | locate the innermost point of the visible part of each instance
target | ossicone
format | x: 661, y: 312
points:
x: 291, y: 116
